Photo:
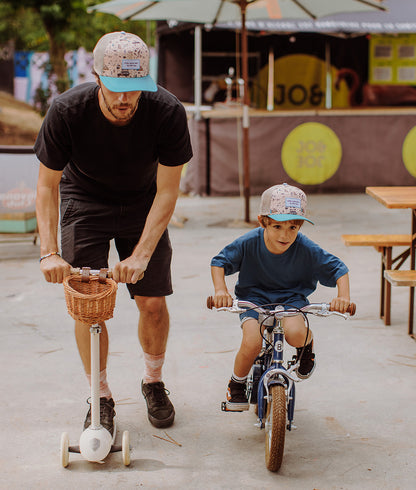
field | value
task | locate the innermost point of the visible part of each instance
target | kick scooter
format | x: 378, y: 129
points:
x: 90, y: 298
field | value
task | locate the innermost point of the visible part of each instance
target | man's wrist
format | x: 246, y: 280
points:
x: 49, y: 255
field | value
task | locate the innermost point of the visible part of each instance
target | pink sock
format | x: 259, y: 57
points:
x: 105, y: 391
x: 153, y: 367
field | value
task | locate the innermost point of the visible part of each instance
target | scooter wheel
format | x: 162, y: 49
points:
x: 64, y: 449
x: 125, y: 448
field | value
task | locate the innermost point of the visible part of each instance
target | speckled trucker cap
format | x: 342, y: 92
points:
x: 121, y: 60
x: 284, y: 202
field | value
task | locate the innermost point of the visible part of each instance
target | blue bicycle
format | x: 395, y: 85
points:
x: 271, y: 382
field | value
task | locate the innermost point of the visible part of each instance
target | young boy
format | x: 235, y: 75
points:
x: 276, y: 264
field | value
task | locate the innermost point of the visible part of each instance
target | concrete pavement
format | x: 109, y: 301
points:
x: 355, y: 417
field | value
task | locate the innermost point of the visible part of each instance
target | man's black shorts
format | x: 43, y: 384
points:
x: 87, y: 229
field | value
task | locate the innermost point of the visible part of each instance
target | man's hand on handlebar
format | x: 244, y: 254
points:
x: 129, y: 270
x: 55, y: 268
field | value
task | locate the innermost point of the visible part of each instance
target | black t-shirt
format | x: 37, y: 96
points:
x: 105, y: 162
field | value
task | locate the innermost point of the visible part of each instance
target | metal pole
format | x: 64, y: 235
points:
x: 198, y: 72
x: 412, y: 267
x: 246, y: 116
x: 328, y: 76
x: 95, y: 376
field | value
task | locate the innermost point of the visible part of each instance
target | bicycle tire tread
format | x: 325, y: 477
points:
x: 275, y: 436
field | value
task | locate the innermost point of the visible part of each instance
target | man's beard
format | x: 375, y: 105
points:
x: 127, y: 116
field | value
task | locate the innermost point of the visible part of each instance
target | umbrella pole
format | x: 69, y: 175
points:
x: 270, y: 81
x: 246, y: 117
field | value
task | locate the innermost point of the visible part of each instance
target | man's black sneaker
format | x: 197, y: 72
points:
x: 236, y: 397
x: 307, y: 361
x: 160, y: 411
x: 107, y: 414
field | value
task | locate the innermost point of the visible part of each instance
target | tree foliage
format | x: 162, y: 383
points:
x: 58, y: 26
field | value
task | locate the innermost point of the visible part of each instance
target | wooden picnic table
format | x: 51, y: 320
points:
x: 400, y: 197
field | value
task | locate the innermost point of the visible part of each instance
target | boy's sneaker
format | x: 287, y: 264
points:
x: 107, y: 414
x: 307, y: 361
x: 236, y: 397
x: 160, y: 411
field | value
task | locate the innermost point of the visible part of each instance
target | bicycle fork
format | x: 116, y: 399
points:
x: 276, y: 374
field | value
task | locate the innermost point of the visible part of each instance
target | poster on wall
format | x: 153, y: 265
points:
x: 300, y: 83
x: 392, y: 59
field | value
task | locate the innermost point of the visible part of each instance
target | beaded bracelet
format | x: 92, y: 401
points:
x: 48, y: 255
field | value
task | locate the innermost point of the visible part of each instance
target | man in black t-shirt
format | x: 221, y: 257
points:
x: 111, y: 157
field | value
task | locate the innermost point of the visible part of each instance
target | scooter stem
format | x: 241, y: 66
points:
x: 95, y: 331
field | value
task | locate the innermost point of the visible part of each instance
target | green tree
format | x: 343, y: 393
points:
x: 56, y: 18
x: 58, y: 26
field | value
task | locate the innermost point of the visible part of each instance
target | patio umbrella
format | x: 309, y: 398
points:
x: 214, y: 12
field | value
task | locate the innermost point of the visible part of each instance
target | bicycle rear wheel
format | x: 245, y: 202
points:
x: 275, y: 427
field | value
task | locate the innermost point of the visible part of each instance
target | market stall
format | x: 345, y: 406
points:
x: 339, y: 115
x: 337, y: 150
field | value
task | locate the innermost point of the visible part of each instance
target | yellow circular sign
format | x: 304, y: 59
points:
x: 311, y: 153
x: 409, y: 152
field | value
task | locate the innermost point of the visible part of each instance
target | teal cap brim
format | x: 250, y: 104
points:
x: 124, y: 84
x: 288, y: 217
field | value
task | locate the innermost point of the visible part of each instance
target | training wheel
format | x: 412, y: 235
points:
x: 64, y: 449
x: 125, y: 448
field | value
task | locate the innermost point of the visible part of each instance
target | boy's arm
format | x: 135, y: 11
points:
x: 222, y: 296
x: 342, y: 301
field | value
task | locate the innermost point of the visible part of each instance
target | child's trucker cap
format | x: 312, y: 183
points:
x: 121, y: 60
x: 284, y: 202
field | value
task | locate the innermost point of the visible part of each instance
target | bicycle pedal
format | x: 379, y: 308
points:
x: 225, y: 409
x: 293, y: 361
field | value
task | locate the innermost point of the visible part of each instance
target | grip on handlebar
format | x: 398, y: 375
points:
x: 351, y: 309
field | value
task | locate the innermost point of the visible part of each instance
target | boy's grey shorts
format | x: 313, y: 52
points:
x: 87, y: 229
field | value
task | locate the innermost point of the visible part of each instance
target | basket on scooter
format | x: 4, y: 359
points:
x: 92, y: 301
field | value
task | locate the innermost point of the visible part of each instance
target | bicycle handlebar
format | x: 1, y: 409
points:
x: 320, y: 309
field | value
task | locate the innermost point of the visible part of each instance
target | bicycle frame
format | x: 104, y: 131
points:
x: 276, y: 373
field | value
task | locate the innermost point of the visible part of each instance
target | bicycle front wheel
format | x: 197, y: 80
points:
x: 275, y: 427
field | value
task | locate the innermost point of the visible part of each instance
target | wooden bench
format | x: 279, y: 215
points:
x: 404, y: 278
x: 383, y: 244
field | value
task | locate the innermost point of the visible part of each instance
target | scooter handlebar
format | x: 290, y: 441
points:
x: 93, y: 272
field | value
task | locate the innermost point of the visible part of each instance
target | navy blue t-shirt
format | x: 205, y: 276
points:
x: 287, y: 278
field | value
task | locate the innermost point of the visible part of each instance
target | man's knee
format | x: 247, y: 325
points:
x: 153, y: 307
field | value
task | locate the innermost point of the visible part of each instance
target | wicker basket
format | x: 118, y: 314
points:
x: 90, y: 302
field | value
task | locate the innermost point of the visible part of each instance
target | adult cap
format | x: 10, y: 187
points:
x: 121, y: 60
x: 284, y: 202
